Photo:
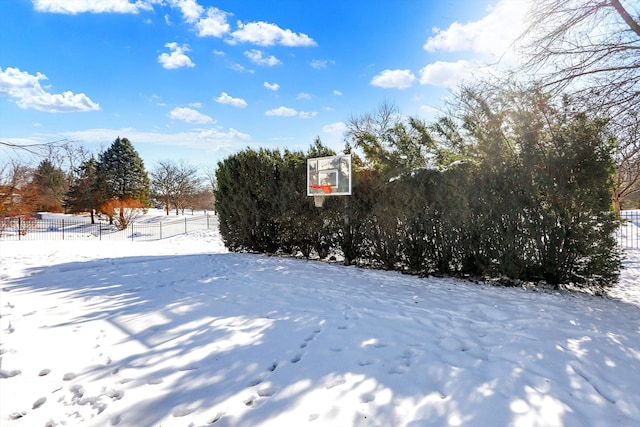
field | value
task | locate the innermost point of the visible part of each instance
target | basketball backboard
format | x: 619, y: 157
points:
x: 329, y: 176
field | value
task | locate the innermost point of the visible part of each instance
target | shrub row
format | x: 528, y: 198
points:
x: 520, y: 218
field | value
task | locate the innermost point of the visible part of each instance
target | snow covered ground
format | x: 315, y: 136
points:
x: 179, y: 332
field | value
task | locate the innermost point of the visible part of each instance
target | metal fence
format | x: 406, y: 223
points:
x: 82, y: 229
x: 629, y: 232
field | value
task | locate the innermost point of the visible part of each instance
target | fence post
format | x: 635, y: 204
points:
x: 19, y: 228
x: 62, y: 228
x: 185, y: 225
x: 160, y: 230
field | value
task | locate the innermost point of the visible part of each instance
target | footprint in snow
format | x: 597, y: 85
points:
x: 215, y: 418
x: 334, y: 383
x: 114, y: 394
x: 296, y: 358
x: 183, y: 411
x: 44, y: 372
x: 250, y: 401
x: 399, y: 369
x: 313, y: 335
x: 9, y: 374
x: 38, y: 403
x: 256, y: 381
x: 367, y: 397
x: 189, y: 368
x: 266, y: 392
x: 68, y: 376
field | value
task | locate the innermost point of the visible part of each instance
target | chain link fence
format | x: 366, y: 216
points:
x: 82, y: 229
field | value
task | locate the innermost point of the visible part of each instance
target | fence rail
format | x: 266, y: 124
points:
x: 628, y: 234
x: 81, y: 229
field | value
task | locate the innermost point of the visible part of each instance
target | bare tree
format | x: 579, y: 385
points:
x: 175, y: 184
x: 591, y: 49
x: 212, y: 184
x: 592, y: 45
x: 17, y: 195
x: 163, y: 177
x: 627, y: 176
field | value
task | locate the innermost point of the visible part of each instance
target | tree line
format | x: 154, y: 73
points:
x: 114, y: 184
x: 518, y: 186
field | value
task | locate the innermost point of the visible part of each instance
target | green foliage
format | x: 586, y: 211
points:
x: 82, y: 195
x: 519, y: 188
x: 121, y: 176
x: 246, y: 200
x: 50, y: 185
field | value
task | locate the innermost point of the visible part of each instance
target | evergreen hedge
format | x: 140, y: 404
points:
x: 543, y: 214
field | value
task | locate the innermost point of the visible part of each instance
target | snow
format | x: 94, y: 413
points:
x: 179, y: 332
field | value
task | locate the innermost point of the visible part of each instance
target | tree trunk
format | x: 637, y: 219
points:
x: 123, y: 221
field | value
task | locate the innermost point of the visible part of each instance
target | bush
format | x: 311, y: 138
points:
x: 534, y: 206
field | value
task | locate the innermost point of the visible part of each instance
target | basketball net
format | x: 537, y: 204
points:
x: 318, y: 199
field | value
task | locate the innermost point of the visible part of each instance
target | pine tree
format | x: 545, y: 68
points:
x: 50, y: 184
x: 122, y: 181
x: 82, y: 195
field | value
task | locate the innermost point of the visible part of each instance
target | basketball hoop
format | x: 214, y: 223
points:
x: 328, y: 176
x: 326, y: 188
x: 319, y: 191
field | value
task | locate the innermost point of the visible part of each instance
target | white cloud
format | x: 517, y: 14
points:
x: 394, y: 79
x: 214, y: 25
x: 272, y: 86
x: 448, y: 74
x: 319, y: 64
x: 28, y: 92
x: 190, y: 9
x: 307, y: 114
x: 206, y: 138
x: 337, y: 92
x: 281, y: 112
x: 303, y: 95
x: 427, y: 109
x: 493, y: 34
x: 337, y: 129
x: 177, y: 57
x: 90, y: 6
x: 265, y: 34
x: 289, y: 112
x: 224, y: 98
x: 190, y: 115
x: 257, y: 57
x: 239, y: 68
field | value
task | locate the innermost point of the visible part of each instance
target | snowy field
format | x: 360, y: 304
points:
x: 179, y: 332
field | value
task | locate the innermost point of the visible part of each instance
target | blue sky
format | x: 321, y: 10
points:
x: 198, y: 80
